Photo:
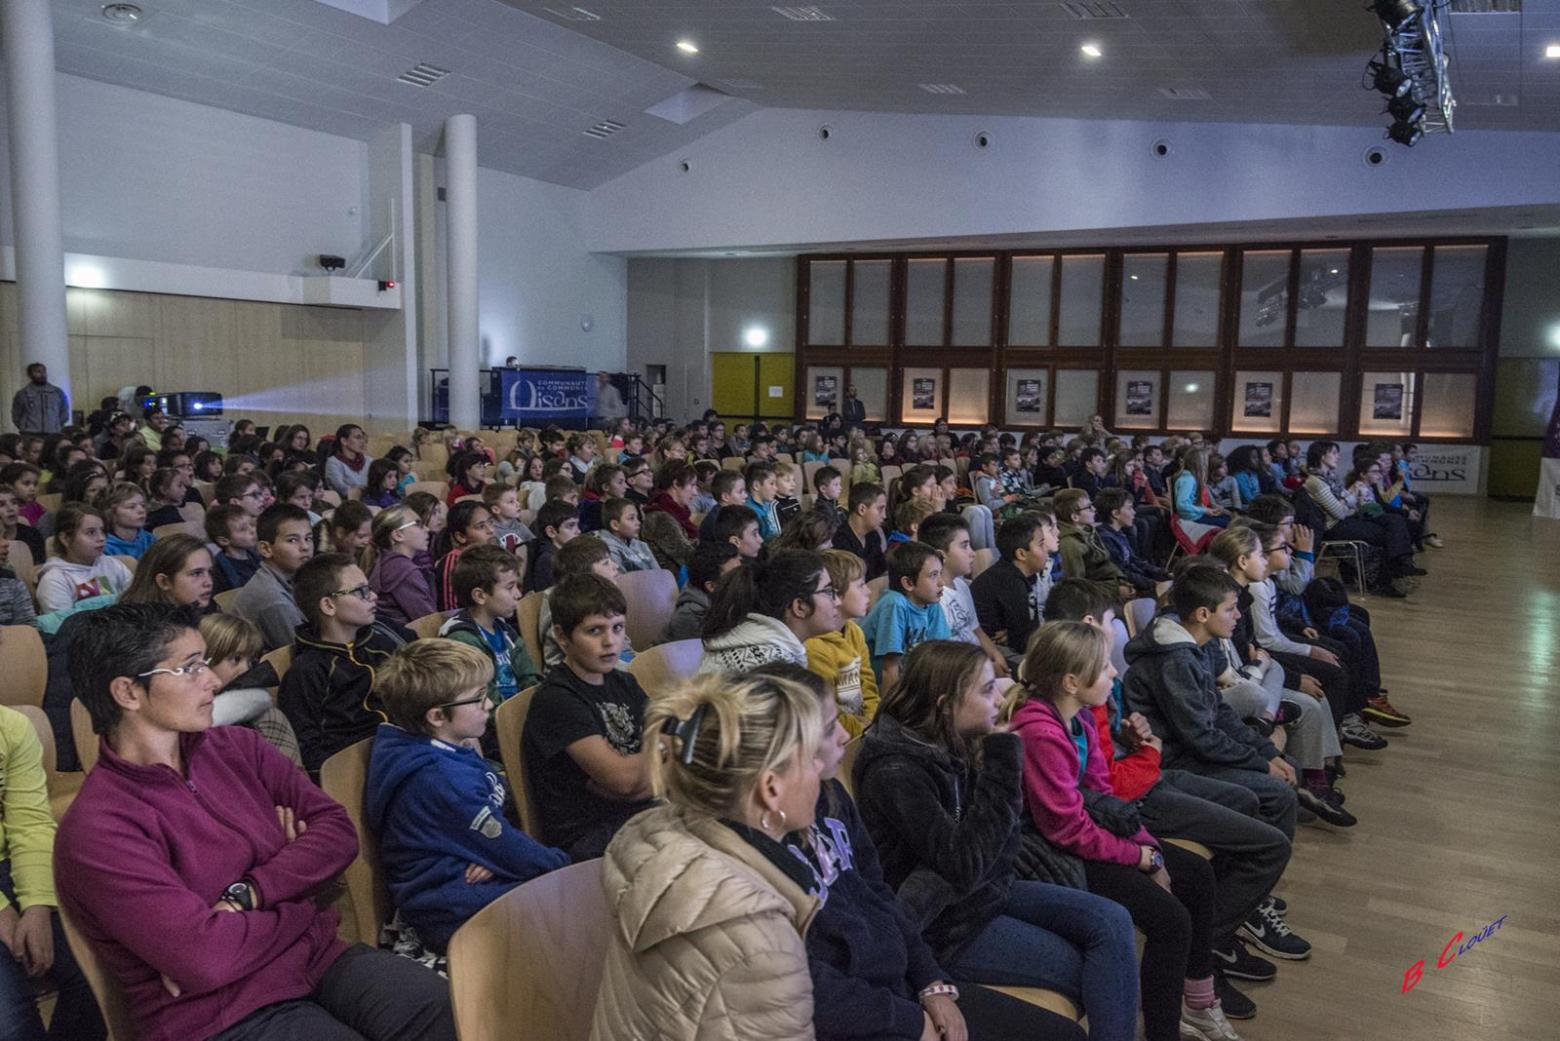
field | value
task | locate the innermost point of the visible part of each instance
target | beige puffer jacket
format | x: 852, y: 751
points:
x: 707, y: 941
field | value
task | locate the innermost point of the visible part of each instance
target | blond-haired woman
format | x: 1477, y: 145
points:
x: 710, y: 906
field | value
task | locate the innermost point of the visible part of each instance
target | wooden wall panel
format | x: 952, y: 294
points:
x: 276, y: 363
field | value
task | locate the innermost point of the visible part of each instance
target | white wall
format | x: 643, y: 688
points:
x: 153, y: 178
x: 768, y: 181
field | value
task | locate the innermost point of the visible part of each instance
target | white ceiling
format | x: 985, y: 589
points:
x: 537, y: 74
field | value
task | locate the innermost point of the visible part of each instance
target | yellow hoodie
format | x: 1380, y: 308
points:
x: 842, y: 659
x: 26, y: 826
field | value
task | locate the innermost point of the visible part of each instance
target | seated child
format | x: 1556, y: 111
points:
x: 1083, y: 554
x: 787, y: 505
x: 503, y: 502
x: 10, y: 515
x: 862, y: 532
x: 23, y: 479
x: 907, y: 520
x: 579, y: 557
x: 557, y: 523
x: 589, y: 766
x: 826, y: 493
x: 619, y: 530
x: 909, y: 611
x: 233, y: 647
x: 82, y: 570
x: 231, y: 531
x: 727, y: 488
x: 436, y: 806
x: 1010, y: 595
x: 711, y: 561
x: 487, y: 587
x: 1119, y: 534
x: 351, y: 529
x: 16, y: 602
x: 842, y: 658
x: 949, y: 534
x: 470, y: 524
x: 739, y: 526
x: 328, y: 692
x: 405, y: 593
x: 267, y: 598
x: 762, y: 489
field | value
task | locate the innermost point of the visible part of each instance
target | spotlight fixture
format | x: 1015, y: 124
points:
x: 1405, y: 109
x: 687, y: 47
x: 1391, y: 81
x: 1091, y: 50
x: 332, y: 263
x: 1406, y: 133
x: 1396, y: 12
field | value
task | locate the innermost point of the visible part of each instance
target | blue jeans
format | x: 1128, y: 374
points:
x: 75, y: 1012
x: 1066, y: 940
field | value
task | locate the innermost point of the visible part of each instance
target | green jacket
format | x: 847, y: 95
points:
x: 1084, y: 555
x: 461, y: 627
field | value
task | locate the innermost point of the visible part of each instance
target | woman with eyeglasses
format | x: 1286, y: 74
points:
x: 398, y: 535
x: 766, y: 611
x: 191, y: 858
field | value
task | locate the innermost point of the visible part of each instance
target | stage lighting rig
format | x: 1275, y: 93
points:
x: 1412, y: 70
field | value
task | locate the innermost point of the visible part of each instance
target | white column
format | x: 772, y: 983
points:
x: 35, y: 187
x: 460, y: 167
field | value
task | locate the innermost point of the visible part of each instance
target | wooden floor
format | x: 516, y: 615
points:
x: 1459, y: 818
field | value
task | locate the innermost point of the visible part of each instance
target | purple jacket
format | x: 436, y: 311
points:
x: 143, y: 855
x: 404, y: 592
x: 1051, y: 786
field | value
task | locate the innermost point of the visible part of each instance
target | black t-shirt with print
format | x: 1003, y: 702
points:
x: 565, y: 709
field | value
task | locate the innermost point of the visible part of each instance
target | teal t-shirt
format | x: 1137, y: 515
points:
x: 503, y: 671
x: 895, y: 624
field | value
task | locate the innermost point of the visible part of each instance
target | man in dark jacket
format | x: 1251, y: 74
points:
x: 1169, y: 681
x: 328, y: 692
x: 40, y: 407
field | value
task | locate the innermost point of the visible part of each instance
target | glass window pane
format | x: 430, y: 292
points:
x: 1026, y: 397
x: 920, y: 397
x: 1077, y: 396
x: 1313, y: 402
x: 1191, y: 401
x: 1448, y: 403
x: 1387, y: 403
x: 1393, y: 308
x: 1083, y: 286
x: 869, y: 302
x: 825, y: 390
x: 1029, y: 302
x: 872, y: 391
x: 1456, y: 298
x: 1143, y: 285
x: 1197, y: 299
x: 1324, y: 297
x: 1264, y: 297
x: 972, y: 285
x: 1137, y: 399
x: 826, y: 302
x: 969, y: 396
x: 1259, y: 402
x: 925, y: 281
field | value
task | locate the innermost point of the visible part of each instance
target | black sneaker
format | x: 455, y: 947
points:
x: 1355, y: 732
x: 1235, y: 1004
x: 1325, y: 809
x: 1277, y: 903
x: 1267, y: 929
x: 1238, y: 963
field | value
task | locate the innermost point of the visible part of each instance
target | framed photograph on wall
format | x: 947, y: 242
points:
x: 826, y: 392
x: 1259, y: 400
x: 1028, y: 397
x: 923, y: 393
x: 1140, y: 398
x: 1387, y: 401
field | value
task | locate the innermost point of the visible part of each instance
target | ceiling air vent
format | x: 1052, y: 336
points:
x: 803, y: 14
x: 606, y: 128
x: 941, y: 88
x: 1486, y: 6
x: 573, y: 14
x: 423, y: 75
x: 1093, y: 10
x: 1185, y: 94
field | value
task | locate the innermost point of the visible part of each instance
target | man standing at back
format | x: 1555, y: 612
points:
x: 40, y: 407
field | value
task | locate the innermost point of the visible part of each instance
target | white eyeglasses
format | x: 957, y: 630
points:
x: 193, y: 669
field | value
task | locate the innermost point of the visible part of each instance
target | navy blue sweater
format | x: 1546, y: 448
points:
x: 437, y: 808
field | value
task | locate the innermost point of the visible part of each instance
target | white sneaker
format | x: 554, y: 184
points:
x: 1206, y: 1024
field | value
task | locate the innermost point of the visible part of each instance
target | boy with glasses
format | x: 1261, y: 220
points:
x: 435, y: 803
x: 328, y: 693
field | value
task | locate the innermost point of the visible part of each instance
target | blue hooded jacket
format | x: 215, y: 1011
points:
x: 436, y: 808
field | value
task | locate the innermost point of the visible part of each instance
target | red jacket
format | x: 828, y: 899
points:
x: 1133, y: 775
x: 143, y: 854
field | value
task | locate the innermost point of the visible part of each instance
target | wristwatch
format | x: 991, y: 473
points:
x: 939, y: 988
x: 241, y: 894
x: 1155, y: 858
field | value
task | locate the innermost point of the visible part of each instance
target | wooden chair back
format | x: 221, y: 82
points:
x: 733, y: 462
x: 344, y: 777
x: 1140, y: 613
x: 652, y: 597
x: 664, y: 666
x: 427, y: 627
x: 848, y: 765
x: 439, y: 489
x: 529, y: 964
x: 129, y: 562
x: 226, y: 599
x: 984, y: 558
x: 280, y: 660
x: 82, y: 734
x: 875, y: 589
x: 105, y: 988
x: 23, y: 664
x: 162, y: 531
x: 62, y: 787
x: 19, y: 559
x: 509, y: 725
x: 528, y: 619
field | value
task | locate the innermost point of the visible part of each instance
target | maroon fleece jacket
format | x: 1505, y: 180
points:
x: 143, y: 854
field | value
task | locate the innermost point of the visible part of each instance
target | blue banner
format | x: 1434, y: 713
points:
x: 534, y: 397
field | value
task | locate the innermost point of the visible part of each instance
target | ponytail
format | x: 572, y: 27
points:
x: 766, y: 588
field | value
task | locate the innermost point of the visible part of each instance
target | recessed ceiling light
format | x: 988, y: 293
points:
x: 1091, y: 50
x: 1552, y: 51
x: 687, y: 47
x: 121, y: 14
